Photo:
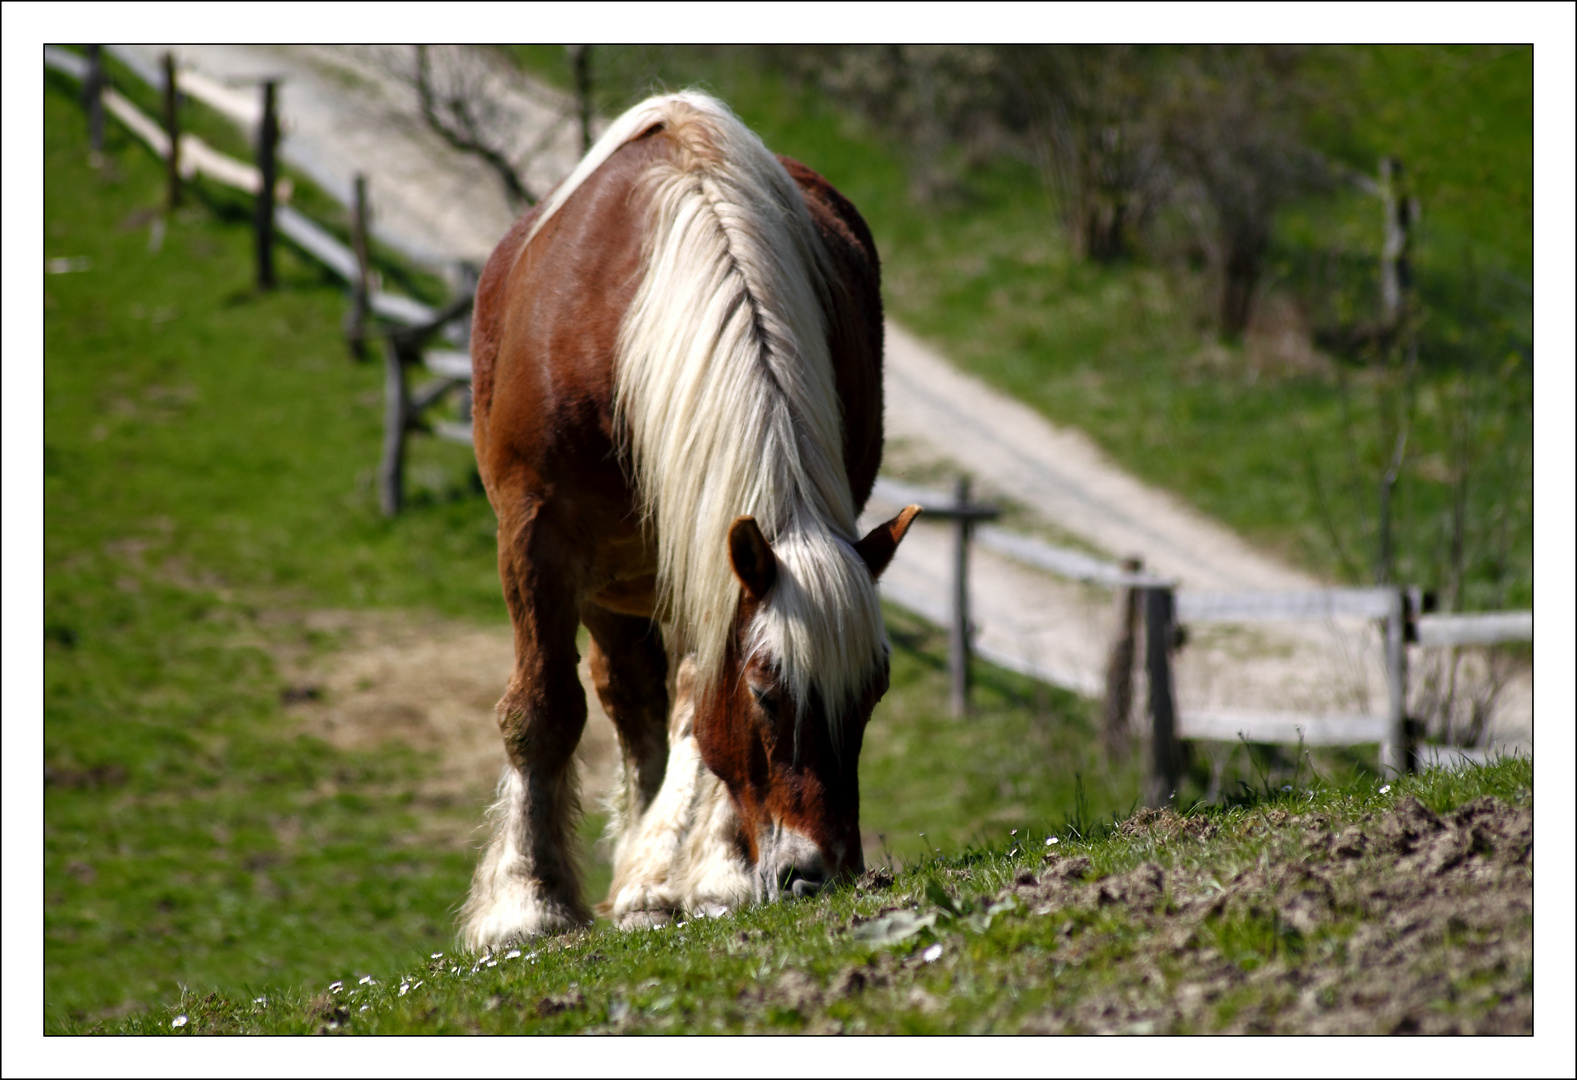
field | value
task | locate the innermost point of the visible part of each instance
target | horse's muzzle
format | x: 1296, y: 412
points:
x: 791, y: 863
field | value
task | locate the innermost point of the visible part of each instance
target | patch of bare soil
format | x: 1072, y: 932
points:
x: 1440, y: 911
x: 428, y: 683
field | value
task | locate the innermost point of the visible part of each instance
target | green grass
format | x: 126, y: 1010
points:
x: 208, y: 460
x: 1290, y: 452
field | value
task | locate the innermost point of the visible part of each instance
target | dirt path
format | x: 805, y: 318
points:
x: 346, y: 113
x: 429, y: 683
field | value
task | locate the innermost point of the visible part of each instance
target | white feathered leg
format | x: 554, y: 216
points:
x: 682, y: 855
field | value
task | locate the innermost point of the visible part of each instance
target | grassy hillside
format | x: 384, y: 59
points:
x: 1271, y: 435
x: 1406, y: 909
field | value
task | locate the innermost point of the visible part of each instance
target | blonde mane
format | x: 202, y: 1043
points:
x: 724, y: 386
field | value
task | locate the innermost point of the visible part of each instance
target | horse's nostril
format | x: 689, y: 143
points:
x: 802, y: 883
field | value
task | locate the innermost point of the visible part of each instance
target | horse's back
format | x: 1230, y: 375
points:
x: 854, y: 325
x: 547, y: 318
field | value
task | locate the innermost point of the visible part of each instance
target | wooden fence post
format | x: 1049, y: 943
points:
x: 581, y: 57
x: 396, y: 421
x: 1119, y: 666
x: 361, y: 288
x: 958, y: 644
x: 172, y: 130
x: 93, y: 94
x: 963, y: 515
x: 267, y: 141
x: 1166, y: 759
x: 1396, y: 752
x: 1396, y: 268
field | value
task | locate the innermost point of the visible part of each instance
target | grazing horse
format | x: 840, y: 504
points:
x: 677, y: 417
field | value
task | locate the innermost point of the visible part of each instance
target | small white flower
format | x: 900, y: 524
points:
x: 260, y: 1001
x: 336, y: 986
x: 364, y: 980
x: 179, y: 1021
x: 417, y: 985
x: 438, y: 956
x: 1286, y: 787
x: 931, y: 955
x: 1013, y: 853
x: 404, y: 989
x: 1050, y: 840
x: 1385, y: 790
x: 492, y: 963
x: 1013, y: 832
x: 511, y: 954
x: 364, y: 1008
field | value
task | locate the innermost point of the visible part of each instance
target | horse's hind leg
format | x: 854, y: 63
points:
x: 527, y: 882
x: 629, y: 668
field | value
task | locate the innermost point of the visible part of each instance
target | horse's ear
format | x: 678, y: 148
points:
x: 879, y: 544
x: 749, y: 554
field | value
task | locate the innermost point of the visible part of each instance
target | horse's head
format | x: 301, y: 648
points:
x: 790, y: 761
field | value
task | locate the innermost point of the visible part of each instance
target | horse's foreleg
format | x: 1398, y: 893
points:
x: 527, y: 882
x: 683, y: 853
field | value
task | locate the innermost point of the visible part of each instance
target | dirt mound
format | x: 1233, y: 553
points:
x: 1435, y: 903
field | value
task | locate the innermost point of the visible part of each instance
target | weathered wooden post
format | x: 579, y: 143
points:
x: 93, y: 97
x: 1119, y: 665
x: 267, y: 142
x: 361, y: 288
x: 396, y: 421
x: 1396, y: 281
x: 172, y: 131
x: 1160, y: 635
x: 1396, y: 752
x: 963, y: 514
x: 958, y: 645
x: 580, y: 56
x: 1396, y: 267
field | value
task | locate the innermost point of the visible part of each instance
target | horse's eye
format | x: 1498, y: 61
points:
x: 766, y: 699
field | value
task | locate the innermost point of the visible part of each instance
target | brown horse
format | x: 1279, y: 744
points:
x: 678, y: 415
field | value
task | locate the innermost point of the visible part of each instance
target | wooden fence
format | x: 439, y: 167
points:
x: 412, y: 326
x: 1165, y: 610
